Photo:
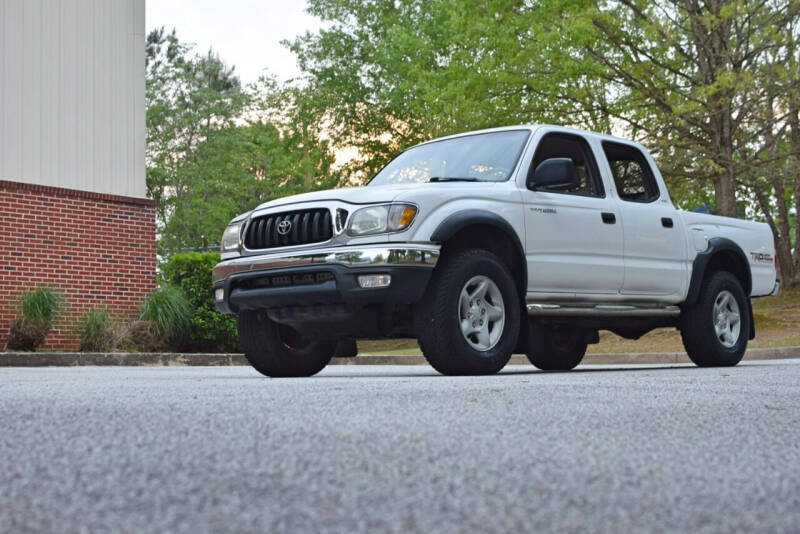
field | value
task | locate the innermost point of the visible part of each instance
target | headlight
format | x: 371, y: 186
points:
x: 230, y: 238
x: 381, y: 219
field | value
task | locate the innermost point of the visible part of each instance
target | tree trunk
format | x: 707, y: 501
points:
x: 794, y: 169
x: 776, y: 173
x: 780, y: 230
x: 725, y: 182
x: 725, y: 194
x: 725, y: 190
x: 783, y: 237
x: 711, y: 43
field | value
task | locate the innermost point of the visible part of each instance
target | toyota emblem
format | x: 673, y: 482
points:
x: 284, y: 227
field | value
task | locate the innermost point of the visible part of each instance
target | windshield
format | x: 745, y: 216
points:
x: 487, y: 157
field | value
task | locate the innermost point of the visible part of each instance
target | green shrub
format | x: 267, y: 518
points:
x: 210, y: 330
x: 41, y: 305
x: 38, y: 308
x: 96, y: 330
x: 170, y: 313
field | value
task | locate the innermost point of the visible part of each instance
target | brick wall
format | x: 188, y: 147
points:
x: 98, y: 249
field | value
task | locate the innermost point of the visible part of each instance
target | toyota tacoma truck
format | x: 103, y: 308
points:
x: 525, y: 238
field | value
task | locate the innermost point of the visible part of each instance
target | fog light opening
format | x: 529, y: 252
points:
x: 219, y: 294
x: 367, y: 281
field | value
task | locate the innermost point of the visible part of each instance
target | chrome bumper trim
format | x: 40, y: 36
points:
x: 352, y: 256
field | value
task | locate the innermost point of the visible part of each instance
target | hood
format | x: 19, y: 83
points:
x: 352, y: 195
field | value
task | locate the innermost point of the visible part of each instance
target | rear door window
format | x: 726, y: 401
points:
x: 632, y: 175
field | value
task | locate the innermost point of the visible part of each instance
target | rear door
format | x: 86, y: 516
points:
x: 654, y: 242
x: 573, y: 238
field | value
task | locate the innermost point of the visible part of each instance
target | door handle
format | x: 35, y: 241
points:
x: 608, y: 218
x: 666, y: 222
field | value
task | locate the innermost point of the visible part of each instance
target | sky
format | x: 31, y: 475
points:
x: 245, y: 33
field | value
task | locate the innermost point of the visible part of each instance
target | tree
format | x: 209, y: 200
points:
x: 188, y: 99
x: 216, y: 149
x: 692, y: 71
x: 691, y: 80
x: 773, y: 181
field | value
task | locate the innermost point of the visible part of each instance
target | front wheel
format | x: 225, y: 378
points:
x: 468, y: 321
x: 279, y: 351
x: 715, y: 330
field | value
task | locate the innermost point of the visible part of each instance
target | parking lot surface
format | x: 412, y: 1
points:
x: 399, y: 448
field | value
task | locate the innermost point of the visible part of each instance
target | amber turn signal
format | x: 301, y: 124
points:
x: 401, y: 216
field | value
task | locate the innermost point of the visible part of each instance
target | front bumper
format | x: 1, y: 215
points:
x: 323, y: 276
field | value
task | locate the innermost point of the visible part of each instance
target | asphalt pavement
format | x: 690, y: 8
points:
x: 399, y: 448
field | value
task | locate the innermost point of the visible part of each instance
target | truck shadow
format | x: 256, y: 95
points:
x: 396, y: 371
x: 431, y: 373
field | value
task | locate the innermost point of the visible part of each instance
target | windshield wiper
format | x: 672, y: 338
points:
x: 452, y: 179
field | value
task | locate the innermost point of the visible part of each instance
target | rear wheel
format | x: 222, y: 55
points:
x: 280, y: 351
x: 715, y: 330
x: 555, y: 347
x: 468, y: 321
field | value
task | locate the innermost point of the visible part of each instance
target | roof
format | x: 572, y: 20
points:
x: 532, y: 128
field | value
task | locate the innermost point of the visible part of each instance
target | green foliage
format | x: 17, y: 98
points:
x: 96, y: 331
x: 38, y: 309
x: 216, y: 149
x: 210, y: 330
x: 711, y: 88
x: 396, y: 73
x: 169, y: 311
x: 40, y: 305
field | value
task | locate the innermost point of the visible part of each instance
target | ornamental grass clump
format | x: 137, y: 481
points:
x: 169, y: 313
x: 38, y: 309
x: 97, y: 331
x: 141, y: 336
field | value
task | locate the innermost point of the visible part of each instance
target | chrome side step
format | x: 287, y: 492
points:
x: 601, y: 310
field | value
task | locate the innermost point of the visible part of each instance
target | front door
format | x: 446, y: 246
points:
x: 573, y: 236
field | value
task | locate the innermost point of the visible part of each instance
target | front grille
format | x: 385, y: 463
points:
x: 306, y: 226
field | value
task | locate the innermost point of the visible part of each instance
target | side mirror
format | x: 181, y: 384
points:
x: 554, y: 173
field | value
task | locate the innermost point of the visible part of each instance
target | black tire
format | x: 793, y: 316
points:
x: 436, y: 317
x: 703, y: 345
x: 278, y: 351
x: 555, y: 347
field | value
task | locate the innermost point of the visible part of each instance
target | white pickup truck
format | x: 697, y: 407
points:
x: 524, y: 238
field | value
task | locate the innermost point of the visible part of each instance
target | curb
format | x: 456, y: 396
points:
x: 74, y: 359
x: 167, y: 359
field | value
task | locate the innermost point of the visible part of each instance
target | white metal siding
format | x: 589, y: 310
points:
x: 72, y: 94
